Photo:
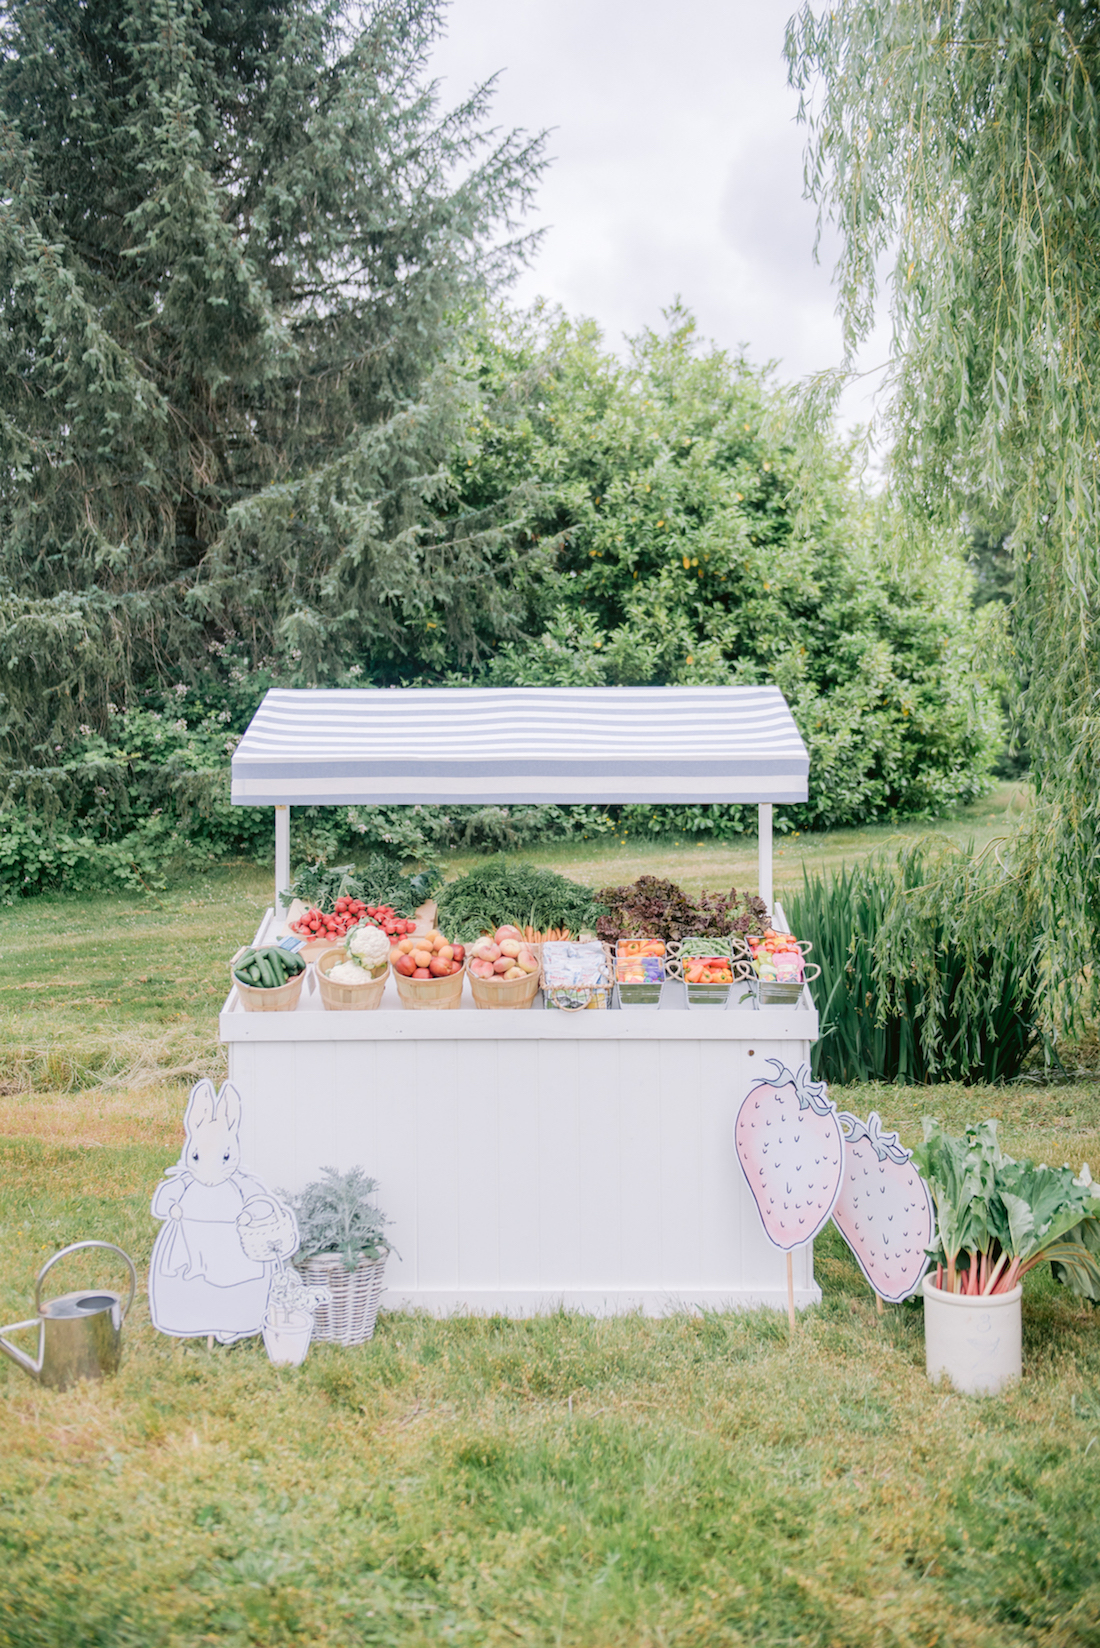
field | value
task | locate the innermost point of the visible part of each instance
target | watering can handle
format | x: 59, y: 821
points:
x: 76, y: 1247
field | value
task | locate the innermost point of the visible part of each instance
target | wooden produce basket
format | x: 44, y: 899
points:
x: 253, y: 999
x: 515, y: 993
x: 430, y: 993
x: 577, y: 998
x: 349, y: 998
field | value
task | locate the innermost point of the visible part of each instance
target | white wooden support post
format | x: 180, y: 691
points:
x: 764, y: 850
x: 282, y: 855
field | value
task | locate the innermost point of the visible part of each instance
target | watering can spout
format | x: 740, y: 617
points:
x: 20, y: 1358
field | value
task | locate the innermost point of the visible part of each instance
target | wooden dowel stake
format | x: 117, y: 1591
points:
x: 790, y: 1292
x: 879, y: 1306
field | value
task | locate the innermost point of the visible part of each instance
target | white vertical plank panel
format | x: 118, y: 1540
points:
x: 643, y: 1217
x: 519, y: 1081
x: 477, y: 1164
x: 599, y: 1169
x: 439, y: 1105
x: 681, y: 1087
x: 560, y: 1092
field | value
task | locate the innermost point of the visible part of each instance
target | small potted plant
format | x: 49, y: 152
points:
x: 997, y: 1219
x: 342, y: 1248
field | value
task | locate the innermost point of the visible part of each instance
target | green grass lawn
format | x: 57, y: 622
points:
x: 696, y: 1481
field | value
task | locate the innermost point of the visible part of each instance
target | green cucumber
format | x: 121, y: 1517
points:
x: 267, y: 973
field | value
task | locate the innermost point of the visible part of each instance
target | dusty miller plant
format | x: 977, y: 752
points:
x: 336, y: 1215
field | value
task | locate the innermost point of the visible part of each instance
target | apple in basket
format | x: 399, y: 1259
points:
x: 503, y: 955
x: 426, y: 956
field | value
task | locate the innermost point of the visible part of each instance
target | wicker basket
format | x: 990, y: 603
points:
x: 350, y: 1318
x: 577, y: 998
x: 514, y: 993
x: 437, y: 993
x: 349, y: 998
x: 283, y: 999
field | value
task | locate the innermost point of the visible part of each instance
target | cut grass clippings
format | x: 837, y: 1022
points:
x: 583, y: 1481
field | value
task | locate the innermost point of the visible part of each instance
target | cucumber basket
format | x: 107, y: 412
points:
x: 269, y: 979
x: 708, y: 968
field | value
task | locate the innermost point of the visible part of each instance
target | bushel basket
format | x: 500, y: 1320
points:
x: 350, y: 1318
x: 343, y: 998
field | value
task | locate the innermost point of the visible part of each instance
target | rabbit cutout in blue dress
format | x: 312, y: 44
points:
x: 224, y: 1233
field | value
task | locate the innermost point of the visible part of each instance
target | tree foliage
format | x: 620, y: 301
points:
x: 703, y: 535
x: 956, y: 143
x: 239, y: 245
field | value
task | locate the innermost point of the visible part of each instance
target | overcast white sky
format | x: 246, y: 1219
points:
x: 677, y: 167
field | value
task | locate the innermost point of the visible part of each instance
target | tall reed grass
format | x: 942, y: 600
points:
x: 927, y: 969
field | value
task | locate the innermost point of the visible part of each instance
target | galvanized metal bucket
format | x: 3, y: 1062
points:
x: 79, y: 1334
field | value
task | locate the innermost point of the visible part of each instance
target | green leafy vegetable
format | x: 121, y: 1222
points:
x: 1004, y: 1217
x: 381, y: 881
x: 336, y: 1215
x: 499, y: 892
x: 651, y: 908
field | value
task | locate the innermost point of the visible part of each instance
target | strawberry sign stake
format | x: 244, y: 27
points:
x: 884, y: 1211
x: 791, y: 1148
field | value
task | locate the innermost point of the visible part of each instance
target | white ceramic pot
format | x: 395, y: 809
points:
x: 974, y: 1341
x: 286, y: 1336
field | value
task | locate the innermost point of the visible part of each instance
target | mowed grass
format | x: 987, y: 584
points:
x: 565, y: 1480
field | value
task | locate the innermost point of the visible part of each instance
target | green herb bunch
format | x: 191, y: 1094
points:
x: 499, y: 892
x: 336, y: 1215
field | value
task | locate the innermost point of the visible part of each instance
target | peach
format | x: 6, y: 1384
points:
x: 421, y: 956
x: 502, y: 966
x: 514, y: 973
x: 511, y: 947
x: 527, y: 963
x: 446, y: 952
x: 422, y: 973
x: 507, y: 931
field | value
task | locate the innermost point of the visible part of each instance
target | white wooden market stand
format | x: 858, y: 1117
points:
x: 539, y: 1158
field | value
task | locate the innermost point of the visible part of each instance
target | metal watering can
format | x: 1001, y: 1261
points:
x: 79, y: 1334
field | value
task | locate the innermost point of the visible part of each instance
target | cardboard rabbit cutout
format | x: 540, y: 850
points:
x: 791, y: 1149
x: 884, y: 1210
x: 225, y: 1234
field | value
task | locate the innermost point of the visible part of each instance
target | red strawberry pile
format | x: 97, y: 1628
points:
x: 348, y: 913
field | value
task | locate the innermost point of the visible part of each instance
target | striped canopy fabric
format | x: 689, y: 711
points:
x: 520, y: 744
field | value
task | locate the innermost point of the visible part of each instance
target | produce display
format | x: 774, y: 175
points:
x: 707, y: 967
x: 651, y: 908
x: 426, y: 956
x: 640, y: 971
x: 268, y: 967
x: 347, y: 913
x: 575, y: 975
x: 776, y: 957
x: 502, y: 956
x: 499, y: 893
x: 380, y: 881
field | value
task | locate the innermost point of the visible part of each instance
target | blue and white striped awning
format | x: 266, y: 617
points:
x: 604, y: 745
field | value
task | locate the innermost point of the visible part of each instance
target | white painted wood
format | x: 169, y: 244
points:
x: 764, y: 852
x: 530, y: 1160
x: 521, y: 1175
x: 282, y: 854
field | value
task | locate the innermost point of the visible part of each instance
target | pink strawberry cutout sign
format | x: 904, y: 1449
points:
x: 884, y: 1211
x: 791, y: 1149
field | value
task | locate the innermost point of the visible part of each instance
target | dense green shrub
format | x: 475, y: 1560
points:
x: 927, y: 970
x: 703, y: 534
